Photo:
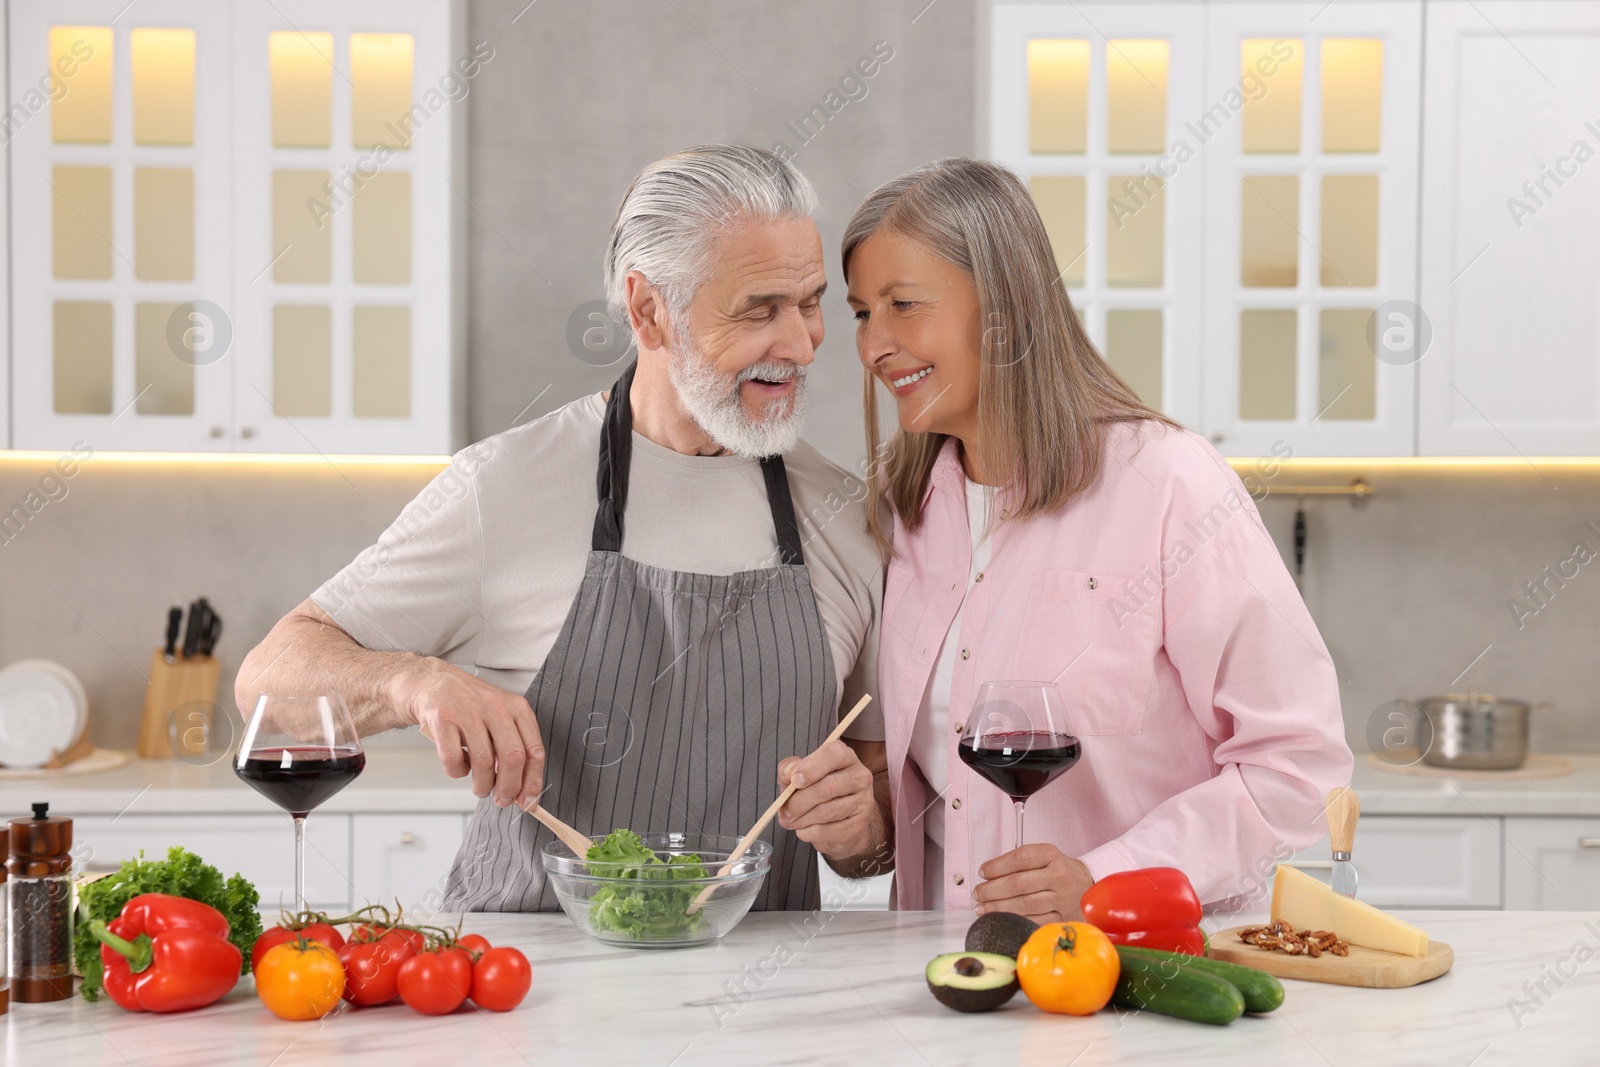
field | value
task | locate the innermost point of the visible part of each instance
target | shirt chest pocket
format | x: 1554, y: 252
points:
x: 1098, y: 645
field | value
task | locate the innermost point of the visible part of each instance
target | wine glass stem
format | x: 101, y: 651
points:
x: 1020, y: 804
x: 299, y: 863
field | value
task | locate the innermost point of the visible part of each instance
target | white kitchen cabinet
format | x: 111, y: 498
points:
x: 116, y: 232
x: 1087, y: 103
x: 1552, y: 864
x: 404, y: 857
x: 1307, y: 131
x: 1511, y: 228
x: 1230, y: 190
x: 1422, y: 861
x: 236, y: 225
x: 261, y: 847
x: 351, y: 860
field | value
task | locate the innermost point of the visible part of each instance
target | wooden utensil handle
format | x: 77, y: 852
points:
x: 772, y: 810
x: 1343, y: 808
x: 579, y: 843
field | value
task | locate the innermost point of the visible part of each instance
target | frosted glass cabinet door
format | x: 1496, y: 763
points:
x: 234, y: 227
x: 1088, y: 103
x: 1511, y: 225
x: 120, y: 215
x: 1310, y: 123
x: 346, y: 276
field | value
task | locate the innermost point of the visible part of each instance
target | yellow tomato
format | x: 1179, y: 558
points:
x: 300, y: 980
x: 1068, y: 968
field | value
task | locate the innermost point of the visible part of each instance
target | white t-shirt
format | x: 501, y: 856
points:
x: 482, y: 566
x: 930, y: 734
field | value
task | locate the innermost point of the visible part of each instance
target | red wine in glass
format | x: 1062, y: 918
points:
x: 1021, y: 762
x: 299, y: 749
x: 1017, y: 737
x: 299, y: 779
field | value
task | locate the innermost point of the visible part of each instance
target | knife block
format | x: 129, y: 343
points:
x: 172, y: 686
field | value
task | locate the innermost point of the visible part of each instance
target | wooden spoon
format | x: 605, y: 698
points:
x: 767, y: 816
x: 578, y: 843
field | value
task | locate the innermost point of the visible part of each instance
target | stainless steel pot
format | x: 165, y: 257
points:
x: 1475, y: 732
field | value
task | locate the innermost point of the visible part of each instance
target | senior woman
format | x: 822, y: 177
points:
x: 1042, y: 523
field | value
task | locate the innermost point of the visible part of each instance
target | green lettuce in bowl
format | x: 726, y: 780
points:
x: 635, y: 890
x: 656, y: 905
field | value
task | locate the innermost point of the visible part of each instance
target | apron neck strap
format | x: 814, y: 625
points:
x: 782, y: 505
x: 616, y: 456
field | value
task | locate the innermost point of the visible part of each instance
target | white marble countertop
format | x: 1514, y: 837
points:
x: 411, y: 780
x: 851, y: 991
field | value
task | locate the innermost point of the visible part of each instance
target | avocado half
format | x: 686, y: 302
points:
x: 972, y: 981
x: 1000, y: 932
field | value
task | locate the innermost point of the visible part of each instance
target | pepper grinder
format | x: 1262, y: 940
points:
x: 5, y: 914
x: 40, y: 906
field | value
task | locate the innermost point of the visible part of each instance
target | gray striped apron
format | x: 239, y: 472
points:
x: 665, y: 703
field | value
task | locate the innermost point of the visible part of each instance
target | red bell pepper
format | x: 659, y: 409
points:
x: 1155, y: 907
x: 166, y: 953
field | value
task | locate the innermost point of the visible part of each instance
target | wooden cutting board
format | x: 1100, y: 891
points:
x: 1367, y: 967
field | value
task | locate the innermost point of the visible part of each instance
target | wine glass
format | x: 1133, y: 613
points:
x: 299, y: 750
x: 1018, y: 738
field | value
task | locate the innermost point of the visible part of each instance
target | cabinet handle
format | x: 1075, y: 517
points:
x: 1218, y: 438
x: 246, y: 432
x: 1589, y: 842
x: 216, y: 431
x: 408, y: 838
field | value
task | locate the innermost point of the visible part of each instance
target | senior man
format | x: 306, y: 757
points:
x: 664, y: 652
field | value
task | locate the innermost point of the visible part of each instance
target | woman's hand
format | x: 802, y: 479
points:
x: 834, y: 808
x: 1039, y: 881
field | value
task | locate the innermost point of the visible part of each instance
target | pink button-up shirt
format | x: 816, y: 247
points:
x: 1205, y: 699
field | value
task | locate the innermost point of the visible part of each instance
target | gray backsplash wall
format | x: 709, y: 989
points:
x: 1412, y: 589
x: 1407, y: 588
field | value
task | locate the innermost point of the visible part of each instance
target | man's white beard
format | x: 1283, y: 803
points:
x: 713, y: 401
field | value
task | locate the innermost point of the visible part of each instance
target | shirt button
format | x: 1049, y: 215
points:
x: 979, y: 578
x: 957, y: 726
x: 961, y: 879
x: 1093, y: 584
x: 956, y: 803
x: 965, y: 654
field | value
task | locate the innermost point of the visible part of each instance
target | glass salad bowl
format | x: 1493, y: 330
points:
x: 641, y: 899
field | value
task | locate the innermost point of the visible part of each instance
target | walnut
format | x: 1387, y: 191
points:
x: 1279, y: 936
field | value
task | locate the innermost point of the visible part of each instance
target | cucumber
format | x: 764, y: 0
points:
x: 1181, y: 992
x: 1262, y: 992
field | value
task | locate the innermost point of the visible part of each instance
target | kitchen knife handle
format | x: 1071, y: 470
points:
x: 174, y: 621
x: 191, y: 630
x: 1343, y: 809
x: 208, y: 641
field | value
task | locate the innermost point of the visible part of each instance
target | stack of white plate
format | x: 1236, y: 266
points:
x: 43, y: 709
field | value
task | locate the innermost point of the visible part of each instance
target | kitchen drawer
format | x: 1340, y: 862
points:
x: 261, y: 847
x: 403, y: 857
x: 1552, y: 864
x: 1422, y: 861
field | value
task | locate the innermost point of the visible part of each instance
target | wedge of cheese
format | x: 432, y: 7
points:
x: 1307, y: 904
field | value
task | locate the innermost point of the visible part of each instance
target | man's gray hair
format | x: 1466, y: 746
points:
x: 674, y: 209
